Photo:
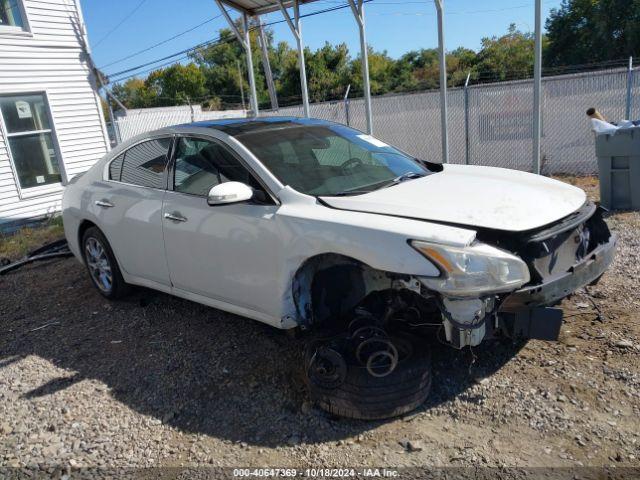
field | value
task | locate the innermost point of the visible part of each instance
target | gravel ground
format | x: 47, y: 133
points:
x: 159, y: 381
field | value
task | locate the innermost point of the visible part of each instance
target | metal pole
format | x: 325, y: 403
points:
x: 252, y: 79
x: 266, y: 65
x: 346, y: 104
x: 112, y: 119
x: 466, y: 119
x: 629, y: 89
x: 443, y: 83
x: 110, y: 96
x: 296, y: 28
x: 537, y: 87
x: 358, y: 13
x: 303, y: 70
x: 191, y: 109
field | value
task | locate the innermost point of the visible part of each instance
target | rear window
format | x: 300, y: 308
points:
x: 115, y: 168
x: 144, y: 164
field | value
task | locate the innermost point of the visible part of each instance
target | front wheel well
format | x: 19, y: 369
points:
x: 330, y: 285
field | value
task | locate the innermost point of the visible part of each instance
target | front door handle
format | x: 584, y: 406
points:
x: 104, y: 203
x: 175, y: 216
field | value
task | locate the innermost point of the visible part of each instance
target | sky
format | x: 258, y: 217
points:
x: 118, y: 28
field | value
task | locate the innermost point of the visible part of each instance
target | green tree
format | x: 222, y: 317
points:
x: 461, y: 62
x: 133, y: 94
x: 588, y: 31
x: 177, y: 84
x: 327, y: 71
x: 381, y: 73
x: 224, y: 67
x: 507, y: 57
x: 422, y: 67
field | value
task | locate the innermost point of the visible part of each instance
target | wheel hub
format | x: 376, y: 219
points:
x: 98, y: 264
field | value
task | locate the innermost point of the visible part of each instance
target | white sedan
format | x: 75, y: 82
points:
x: 307, y: 224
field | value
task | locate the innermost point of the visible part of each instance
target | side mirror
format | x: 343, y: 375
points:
x: 229, y: 192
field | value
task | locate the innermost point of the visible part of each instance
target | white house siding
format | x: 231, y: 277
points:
x: 51, y: 60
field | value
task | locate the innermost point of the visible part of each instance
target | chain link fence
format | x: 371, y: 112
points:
x: 491, y: 124
x: 146, y: 120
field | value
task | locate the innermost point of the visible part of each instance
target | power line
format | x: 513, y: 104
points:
x: 181, y: 52
x: 172, y: 59
x: 184, y: 53
x: 104, y: 37
x: 338, y: 7
x: 161, y: 42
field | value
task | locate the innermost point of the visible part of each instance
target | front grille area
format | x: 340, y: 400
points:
x: 554, y: 255
x: 552, y: 250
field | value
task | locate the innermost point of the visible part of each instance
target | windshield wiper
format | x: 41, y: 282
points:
x: 346, y: 193
x: 378, y: 185
x: 403, y: 178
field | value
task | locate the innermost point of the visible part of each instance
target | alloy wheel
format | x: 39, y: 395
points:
x: 99, y: 264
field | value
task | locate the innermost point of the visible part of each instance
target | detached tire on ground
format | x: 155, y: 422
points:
x: 362, y: 396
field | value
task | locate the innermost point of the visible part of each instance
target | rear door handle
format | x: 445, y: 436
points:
x: 104, y: 203
x: 175, y: 216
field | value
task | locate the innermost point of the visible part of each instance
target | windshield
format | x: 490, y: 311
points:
x: 330, y: 159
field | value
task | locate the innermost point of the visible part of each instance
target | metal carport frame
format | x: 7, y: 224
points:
x: 296, y: 29
x: 254, y: 8
x: 245, y: 41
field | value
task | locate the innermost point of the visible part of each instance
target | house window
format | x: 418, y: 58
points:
x: 12, y: 16
x: 31, y: 141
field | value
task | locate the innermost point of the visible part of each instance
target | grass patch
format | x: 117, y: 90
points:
x: 17, y: 245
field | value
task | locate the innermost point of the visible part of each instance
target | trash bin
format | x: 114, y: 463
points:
x: 619, y: 169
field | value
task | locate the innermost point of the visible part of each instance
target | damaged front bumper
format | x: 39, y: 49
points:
x: 552, y: 291
x: 526, y: 312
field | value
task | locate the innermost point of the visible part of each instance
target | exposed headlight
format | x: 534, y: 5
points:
x: 473, y: 270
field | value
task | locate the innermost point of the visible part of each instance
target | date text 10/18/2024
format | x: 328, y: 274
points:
x: 316, y: 472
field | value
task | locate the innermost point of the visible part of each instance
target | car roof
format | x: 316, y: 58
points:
x: 239, y: 126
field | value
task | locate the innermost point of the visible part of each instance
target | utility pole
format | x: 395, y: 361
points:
x: 241, y: 87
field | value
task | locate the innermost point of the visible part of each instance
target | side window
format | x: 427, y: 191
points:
x: 144, y: 163
x: 201, y: 164
x: 115, y: 168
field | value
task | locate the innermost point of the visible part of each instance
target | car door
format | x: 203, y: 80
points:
x: 128, y: 208
x: 228, y: 252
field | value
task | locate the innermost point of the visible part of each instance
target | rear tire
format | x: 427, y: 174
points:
x: 366, y: 397
x: 102, y: 265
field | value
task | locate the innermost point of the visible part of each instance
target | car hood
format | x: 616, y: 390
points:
x: 484, y: 197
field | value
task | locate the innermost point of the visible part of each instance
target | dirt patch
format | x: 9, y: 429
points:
x: 160, y: 381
